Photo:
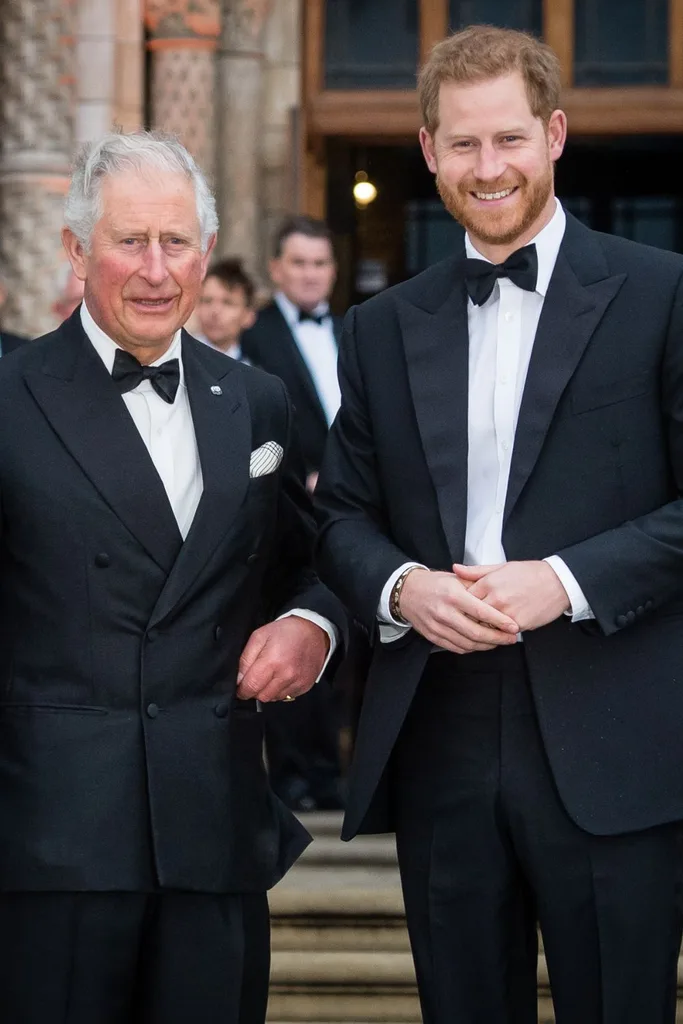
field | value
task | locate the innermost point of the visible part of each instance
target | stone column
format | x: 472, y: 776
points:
x: 183, y: 40
x: 129, y: 64
x: 36, y: 137
x: 95, y: 62
x: 240, y: 96
x: 282, y: 92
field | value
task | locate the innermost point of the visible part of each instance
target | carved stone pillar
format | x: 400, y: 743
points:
x: 183, y: 40
x: 36, y: 132
x: 129, y: 63
x: 240, y: 95
x: 95, y: 63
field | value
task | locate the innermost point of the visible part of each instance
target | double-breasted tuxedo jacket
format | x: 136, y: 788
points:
x: 270, y: 344
x: 126, y: 761
x: 596, y: 477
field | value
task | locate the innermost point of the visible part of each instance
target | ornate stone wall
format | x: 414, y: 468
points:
x: 36, y: 138
x: 183, y: 40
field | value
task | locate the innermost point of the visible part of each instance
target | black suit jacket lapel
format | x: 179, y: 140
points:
x: 292, y: 355
x: 580, y: 291
x: 435, y: 338
x: 76, y: 394
x: 222, y: 425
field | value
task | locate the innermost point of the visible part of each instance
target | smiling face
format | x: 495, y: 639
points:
x: 493, y: 162
x: 145, y: 265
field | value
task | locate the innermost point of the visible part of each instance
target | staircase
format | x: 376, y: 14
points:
x: 340, y: 946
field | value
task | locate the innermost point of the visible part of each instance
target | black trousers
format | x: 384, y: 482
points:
x: 133, y: 958
x: 486, y: 850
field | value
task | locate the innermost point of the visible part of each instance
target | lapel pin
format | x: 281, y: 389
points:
x: 215, y: 390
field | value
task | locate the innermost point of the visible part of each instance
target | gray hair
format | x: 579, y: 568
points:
x: 137, y: 151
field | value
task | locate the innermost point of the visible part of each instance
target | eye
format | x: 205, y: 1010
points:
x: 462, y: 144
x: 511, y: 138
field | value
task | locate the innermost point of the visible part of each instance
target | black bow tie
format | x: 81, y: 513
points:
x: 128, y: 373
x: 521, y: 267
x: 303, y: 315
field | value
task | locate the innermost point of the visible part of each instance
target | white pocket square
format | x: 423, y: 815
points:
x: 265, y: 459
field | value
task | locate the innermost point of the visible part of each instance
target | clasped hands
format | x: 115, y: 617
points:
x: 479, y: 607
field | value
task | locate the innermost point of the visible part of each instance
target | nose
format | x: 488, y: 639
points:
x: 154, y: 269
x: 489, y: 165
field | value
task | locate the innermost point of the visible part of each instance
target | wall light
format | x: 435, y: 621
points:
x: 364, y: 192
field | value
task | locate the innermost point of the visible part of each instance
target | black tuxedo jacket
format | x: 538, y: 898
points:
x: 10, y: 342
x: 125, y: 758
x: 271, y: 345
x: 596, y: 477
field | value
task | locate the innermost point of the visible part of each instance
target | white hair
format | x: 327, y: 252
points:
x: 137, y: 151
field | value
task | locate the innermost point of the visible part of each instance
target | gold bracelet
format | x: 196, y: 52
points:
x: 395, y: 598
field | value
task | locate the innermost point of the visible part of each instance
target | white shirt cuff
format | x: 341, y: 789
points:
x: 319, y: 620
x: 389, y: 628
x: 580, y: 609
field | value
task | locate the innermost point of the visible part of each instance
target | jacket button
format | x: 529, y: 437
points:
x: 218, y: 632
x: 621, y: 621
x: 649, y: 604
x: 630, y: 615
x: 222, y: 709
x: 152, y: 710
x: 102, y: 561
x: 640, y: 610
x: 252, y: 558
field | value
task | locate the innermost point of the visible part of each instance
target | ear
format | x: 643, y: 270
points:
x: 274, y: 271
x: 557, y: 133
x: 248, y: 319
x: 207, y: 254
x: 427, y: 144
x: 75, y: 252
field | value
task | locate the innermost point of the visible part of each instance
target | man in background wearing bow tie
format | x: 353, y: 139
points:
x: 500, y: 504
x: 156, y: 585
x: 296, y: 338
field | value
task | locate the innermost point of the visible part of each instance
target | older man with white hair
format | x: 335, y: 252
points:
x: 155, y: 589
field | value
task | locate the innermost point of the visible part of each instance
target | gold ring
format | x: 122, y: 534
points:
x: 288, y: 698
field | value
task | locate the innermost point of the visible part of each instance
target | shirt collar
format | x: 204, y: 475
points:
x: 106, y: 348
x: 547, y: 242
x: 291, y: 312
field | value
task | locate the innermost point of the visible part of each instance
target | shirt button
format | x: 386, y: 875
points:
x: 503, y: 379
x: 152, y: 710
x: 499, y: 510
x: 505, y: 446
x: 509, y: 317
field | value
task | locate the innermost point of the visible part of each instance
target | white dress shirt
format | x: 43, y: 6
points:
x: 167, y: 430
x: 501, y: 340
x: 318, y: 348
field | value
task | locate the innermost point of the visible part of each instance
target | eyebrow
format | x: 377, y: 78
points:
x: 515, y: 130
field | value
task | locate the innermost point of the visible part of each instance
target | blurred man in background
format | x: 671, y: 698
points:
x: 226, y: 307
x: 69, y: 293
x: 295, y: 337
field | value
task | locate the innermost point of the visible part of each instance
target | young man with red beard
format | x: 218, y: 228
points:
x: 500, y: 505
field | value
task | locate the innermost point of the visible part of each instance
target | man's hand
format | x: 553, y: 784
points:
x: 529, y: 592
x: 282, y: 659
x: 442, y: 609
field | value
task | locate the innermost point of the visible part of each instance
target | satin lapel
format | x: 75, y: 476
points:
x: 571, y: 312
x: 87, y: 413
x: 436, y: 347
x: 222, y: 427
